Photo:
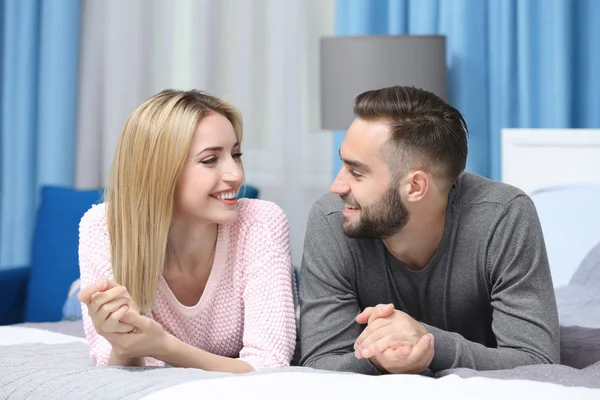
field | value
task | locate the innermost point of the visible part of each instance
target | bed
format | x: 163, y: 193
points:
x: 50, y: 360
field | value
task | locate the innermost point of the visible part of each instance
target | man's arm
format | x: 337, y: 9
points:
x: 525, y: 318
x: 328, y: 304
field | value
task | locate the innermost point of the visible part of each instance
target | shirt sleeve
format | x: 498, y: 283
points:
x: 269, y: 334
x: 94, y: 263
x: 328, y: 302
x: 524, y: 316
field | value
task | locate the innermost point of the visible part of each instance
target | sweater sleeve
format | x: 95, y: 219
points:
x: 525, y: 318
x: 94, y: 263
x: 269, y: 334
x: 328, y: 301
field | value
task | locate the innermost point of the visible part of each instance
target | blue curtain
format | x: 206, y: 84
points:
x: 510, y: 63
x: 39, y: 54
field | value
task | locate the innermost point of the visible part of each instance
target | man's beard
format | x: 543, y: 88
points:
x: 381, y: 220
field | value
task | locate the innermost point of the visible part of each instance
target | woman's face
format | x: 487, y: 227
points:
x: 212, y: 174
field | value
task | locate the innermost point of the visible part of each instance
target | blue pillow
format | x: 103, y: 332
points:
x: 249, y: 192
x: 55, y: 261
x: 72, y: 308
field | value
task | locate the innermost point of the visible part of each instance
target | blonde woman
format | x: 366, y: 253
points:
x: 174, y: 269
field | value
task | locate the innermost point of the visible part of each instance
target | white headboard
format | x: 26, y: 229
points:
x: 567, y: 160
x: 537, y: 158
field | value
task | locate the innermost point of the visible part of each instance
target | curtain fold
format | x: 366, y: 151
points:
x: 39, y: 54
x: 511, y: 63
x: 261, y: 55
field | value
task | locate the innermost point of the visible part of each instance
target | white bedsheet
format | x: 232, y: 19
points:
x: 304, y: 386
x: 11, y: 335
x: 286, y: 385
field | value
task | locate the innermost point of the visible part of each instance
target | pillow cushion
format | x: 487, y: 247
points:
x: 588, y: 272
x: 54, y: 260
x: 579, y: 346
x: 72, y: 308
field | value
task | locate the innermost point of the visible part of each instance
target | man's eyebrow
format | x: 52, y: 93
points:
x: 355, y: 164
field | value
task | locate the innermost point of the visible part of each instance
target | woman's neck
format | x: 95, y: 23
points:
x: 191, y: 246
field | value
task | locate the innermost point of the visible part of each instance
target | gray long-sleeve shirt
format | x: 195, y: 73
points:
x: 486, y: 295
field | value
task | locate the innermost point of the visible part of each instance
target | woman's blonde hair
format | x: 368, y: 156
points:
x: 140, y: 191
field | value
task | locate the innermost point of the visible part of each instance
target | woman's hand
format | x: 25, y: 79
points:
x: 107, y: 304
x: 148, y: 339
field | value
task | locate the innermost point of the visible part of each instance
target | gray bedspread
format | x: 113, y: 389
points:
x: 62, y: 371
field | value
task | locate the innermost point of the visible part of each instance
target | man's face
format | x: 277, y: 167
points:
x: 373, y: 207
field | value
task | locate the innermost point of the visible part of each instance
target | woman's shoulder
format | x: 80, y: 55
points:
x: 260, y: 212
x: 261, y: 230
x: 261, y: 215
x: 94, y: 218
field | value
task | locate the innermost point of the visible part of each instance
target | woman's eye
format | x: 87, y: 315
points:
x: 237, y: 155
x: 208, y: 161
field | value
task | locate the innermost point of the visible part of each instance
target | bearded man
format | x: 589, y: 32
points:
x: 413, y: 265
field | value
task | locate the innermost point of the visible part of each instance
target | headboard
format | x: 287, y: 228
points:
x: 538, y: 158
x: 560, y: 170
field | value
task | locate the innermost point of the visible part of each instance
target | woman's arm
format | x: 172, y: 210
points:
x: 113, y: 360
x: 269, y: 336
x: 151, y: 340
x: 180, y: 354
x: 94, y: 264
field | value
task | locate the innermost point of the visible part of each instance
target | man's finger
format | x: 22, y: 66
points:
x: 396, y: 344
x: 382, y: 311
x: 364, y: 346
x: 395, y: 354
x: 369, y: 314
x: 372, y: 327
x: 363, y: 317
x: 421, y: 350
x: 377, y: 347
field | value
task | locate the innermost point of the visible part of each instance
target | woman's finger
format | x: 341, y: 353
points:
x: 108, y: 308
x: 100, y: 298
x: 113, y: 323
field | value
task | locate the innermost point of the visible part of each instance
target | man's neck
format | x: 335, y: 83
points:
x: 418, y: 241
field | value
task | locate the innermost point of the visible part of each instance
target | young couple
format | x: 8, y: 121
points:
x: 409, y: 265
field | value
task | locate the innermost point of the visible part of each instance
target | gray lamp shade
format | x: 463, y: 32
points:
x: 351, y: 65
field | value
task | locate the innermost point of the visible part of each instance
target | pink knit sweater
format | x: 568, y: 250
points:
x: 247, y: 308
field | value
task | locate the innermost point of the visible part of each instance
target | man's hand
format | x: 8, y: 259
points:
x: 393, y: 341
x: 394, y: 361
x: 372, y: 313
x: 396, y: 329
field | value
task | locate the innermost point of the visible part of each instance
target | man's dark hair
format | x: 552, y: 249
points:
x: 425, y: 132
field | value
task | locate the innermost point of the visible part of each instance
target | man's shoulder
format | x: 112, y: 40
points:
x: 328, y: 205
x: 473, y: 189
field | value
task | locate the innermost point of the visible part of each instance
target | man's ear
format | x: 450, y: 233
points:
x: 417, y: 185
